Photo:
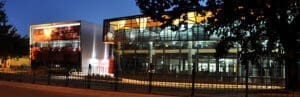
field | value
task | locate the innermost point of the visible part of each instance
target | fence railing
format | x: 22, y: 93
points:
x: 150, y: 82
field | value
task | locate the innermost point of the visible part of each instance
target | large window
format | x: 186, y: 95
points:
x: 57, y: 45
x: 143, y: 29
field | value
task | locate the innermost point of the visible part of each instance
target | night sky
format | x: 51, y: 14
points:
x: 23, y: 13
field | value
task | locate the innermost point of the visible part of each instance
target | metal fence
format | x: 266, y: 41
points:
x: 195, y: 84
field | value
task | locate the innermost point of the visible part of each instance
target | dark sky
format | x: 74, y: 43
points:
x: 23, y: 13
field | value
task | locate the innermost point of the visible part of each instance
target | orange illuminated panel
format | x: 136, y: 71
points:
x: 39, y: 35
x: 56, y: 33
x: 135, y: 23
x: 116, y: 28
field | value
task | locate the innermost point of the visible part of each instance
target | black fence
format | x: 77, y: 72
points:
x: 183, y: 84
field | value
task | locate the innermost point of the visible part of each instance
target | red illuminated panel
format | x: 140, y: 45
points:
x: 111, y: 66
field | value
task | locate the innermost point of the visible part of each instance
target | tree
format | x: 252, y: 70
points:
x: 257, y: 27
x: 276, y: 17
x: 12, y: 44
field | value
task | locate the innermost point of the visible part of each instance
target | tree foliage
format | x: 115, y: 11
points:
x: 166, y: 11
x: 256, y: 27
x: 12, y: 44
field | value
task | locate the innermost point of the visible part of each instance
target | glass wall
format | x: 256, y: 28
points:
x: 58, y: 46
x: 129, y: 31
x: 140, y: 41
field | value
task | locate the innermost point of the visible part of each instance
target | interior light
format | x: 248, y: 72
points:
x: 176, y: 22
x: 118, y: 24
x: 47, y: 32
x: 94, y: 61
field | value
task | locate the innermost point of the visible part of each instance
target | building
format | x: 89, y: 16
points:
x: 142, y: 46
x: 67, y: 45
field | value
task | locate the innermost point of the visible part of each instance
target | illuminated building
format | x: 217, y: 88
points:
x: 142, y: 46
x: 68, y: 45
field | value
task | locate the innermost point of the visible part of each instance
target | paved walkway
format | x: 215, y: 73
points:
x: 182, y: 84
x: 13, y: 89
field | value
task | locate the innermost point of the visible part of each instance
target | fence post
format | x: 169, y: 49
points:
x: 33, y: 71
x: 151, y: 72
x: 117, y: 63
x: 247, y: 76
x: 193, y: 80
x: 89, y: 76
x: 67, y: 75
x: 49, y: 75
x: 20, y: 75
x: 150, y: 81
x: 116, y: 75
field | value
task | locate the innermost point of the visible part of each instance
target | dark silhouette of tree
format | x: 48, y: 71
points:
x: 256, y: 27
x: 12, y: 44
x: 166, y: 11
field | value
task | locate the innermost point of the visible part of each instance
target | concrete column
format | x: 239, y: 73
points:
x: 267, y: 71
x: 119, y: 48
x: 119, y: 54
x: 254, y: 71
x: 190, y: 56
x: 239, y: 68
x: 151, y: 52
x: 283, y: 71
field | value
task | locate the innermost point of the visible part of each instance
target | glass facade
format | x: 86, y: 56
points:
x: 56, y: 45
x: 141, y: 45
